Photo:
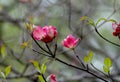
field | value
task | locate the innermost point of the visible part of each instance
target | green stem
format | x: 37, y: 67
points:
x: 105, y: 38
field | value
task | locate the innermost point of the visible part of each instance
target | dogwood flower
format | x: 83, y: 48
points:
x: 50, y: 33
x: 45, y: 34
x: 70, y: 41
x: 53, y: 78
x: 38, y: 33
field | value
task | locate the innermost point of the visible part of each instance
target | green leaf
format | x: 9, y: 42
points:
x: 86, y: 59
x: 90, y: 21
x: 90, y: 55
x: 99, y: 20
x: 106, y: 69
x: 3, y: 50
x: 36, y: 65
x: 24, y: 45
x: 43, y: 68
x: 40, y: 78
x: 7, y: 70
x: 107, y: 62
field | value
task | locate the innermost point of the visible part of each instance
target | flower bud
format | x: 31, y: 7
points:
x: 53, y: 78
x: 70, y: 41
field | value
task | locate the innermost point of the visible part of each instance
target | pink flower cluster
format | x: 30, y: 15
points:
x: 48, y: 33
x: 45, y: 34
x: 116, y: 27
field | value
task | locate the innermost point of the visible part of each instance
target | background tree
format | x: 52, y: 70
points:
x: 66, y: 16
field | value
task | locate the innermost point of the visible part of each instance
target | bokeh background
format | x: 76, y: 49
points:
x: 65, y: 15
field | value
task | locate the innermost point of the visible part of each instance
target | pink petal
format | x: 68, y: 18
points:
x: 65, y: 43
x: 38, y: 33
x: 75, y: 42
x: 51, y: 33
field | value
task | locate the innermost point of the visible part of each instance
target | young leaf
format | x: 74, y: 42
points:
x: 43, y: 68
x: 90, y: 55
x: 106, y: 69
x: 40, y: 78
x: 107, y: 62
x: 91, y: 22
x: 86, y: 59
x: 36, y: 65
x: 7, y: 70
x: 24, y: 45
x: 3, y: 50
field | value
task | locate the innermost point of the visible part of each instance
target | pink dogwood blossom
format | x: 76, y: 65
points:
x: 50, y: 33
x: 45, y: 34
x: 53, y: 78
x: 38, y: 33
x: 70, y: 41
x: 116, y: 27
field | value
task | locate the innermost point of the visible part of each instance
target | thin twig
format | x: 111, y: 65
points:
x: 80, y: 61
x: 111, y: 77
x: 98, y: 70
x: 49, y: 49
x: 55, y: 50
x: 25, y: 69
x: 105, y: 38
x: 44, y: 77
x: 41, y: 53
x: 39, y: 45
